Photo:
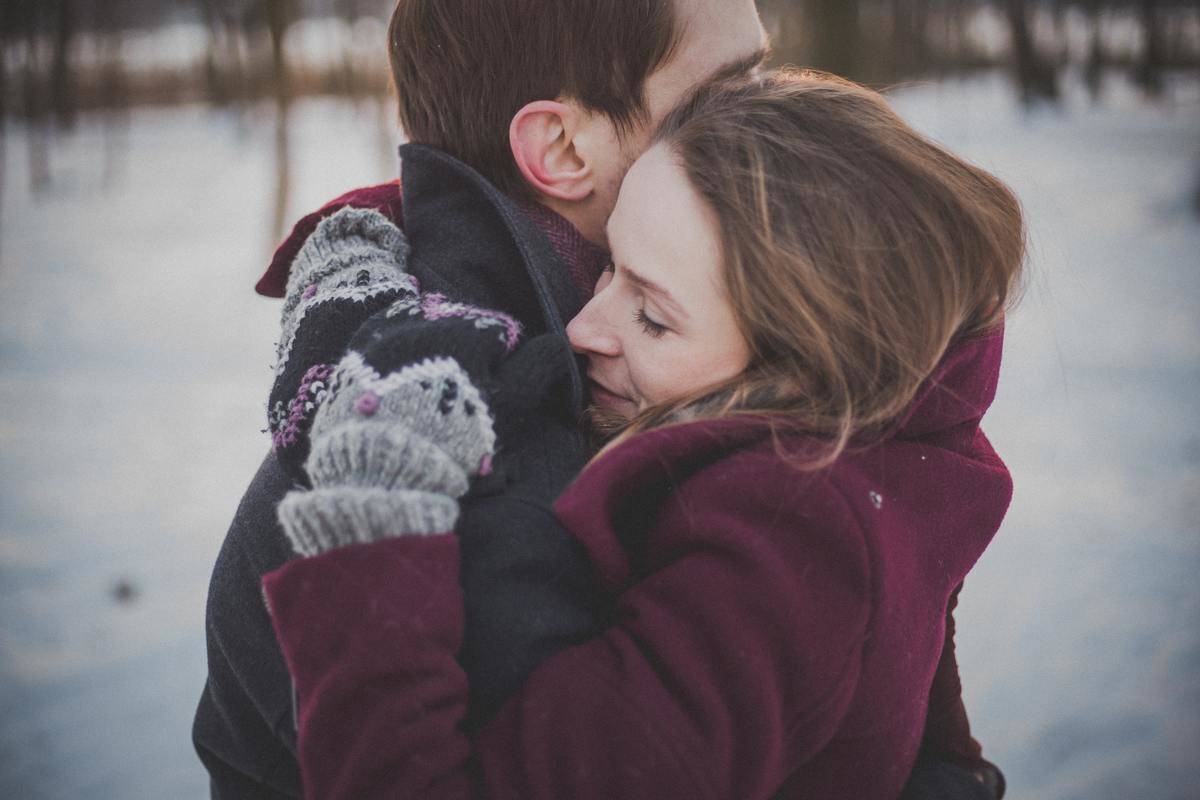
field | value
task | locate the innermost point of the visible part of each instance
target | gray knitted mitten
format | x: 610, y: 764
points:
x: 390, y: 455
x: 352, y: 254
x: 350, y: 268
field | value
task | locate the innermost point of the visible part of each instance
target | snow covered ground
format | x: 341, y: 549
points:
x: 1080, y: 628
x: 134, y: 365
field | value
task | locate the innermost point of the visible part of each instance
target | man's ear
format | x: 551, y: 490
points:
x: 542, y: 140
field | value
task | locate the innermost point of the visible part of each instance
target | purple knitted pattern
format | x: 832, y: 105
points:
x: 436, y: 306
x: 302, y: 406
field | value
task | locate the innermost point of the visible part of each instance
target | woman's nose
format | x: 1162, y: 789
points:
x: 589, y: 332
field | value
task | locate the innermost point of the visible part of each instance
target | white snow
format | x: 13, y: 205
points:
x: 134, y: 365
x: 1080, y: 628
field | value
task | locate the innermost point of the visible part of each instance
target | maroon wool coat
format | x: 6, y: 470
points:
x: 771, y: 628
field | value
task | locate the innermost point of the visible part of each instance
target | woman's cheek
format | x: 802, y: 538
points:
x: 635, y: 368
x: 652, y: 379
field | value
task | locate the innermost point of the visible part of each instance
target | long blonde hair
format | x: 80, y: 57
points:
x: 855, y: 251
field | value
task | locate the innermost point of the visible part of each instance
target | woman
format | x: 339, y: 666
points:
x: 799, y: 336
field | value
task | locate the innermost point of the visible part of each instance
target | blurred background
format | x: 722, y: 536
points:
x: 153, y: 153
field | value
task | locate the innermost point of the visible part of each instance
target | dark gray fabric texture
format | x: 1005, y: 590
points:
x: 934, y: 779
x: 528, y: 586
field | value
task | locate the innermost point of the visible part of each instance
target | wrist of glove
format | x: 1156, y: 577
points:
x: 352, y: 249
x: 321, y: 520
x: 389, y: 455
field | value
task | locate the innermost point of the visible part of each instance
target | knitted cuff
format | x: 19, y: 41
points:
x: 323, y: 519
x: 349, y: 238
x: 372, y: 454
x: 353, y: 256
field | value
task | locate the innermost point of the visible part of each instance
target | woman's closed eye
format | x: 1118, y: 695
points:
x: 652, y: 328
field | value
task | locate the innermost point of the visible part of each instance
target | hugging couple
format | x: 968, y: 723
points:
x: 627, y: 446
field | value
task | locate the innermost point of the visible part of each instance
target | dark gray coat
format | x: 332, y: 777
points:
x: 528, y: 593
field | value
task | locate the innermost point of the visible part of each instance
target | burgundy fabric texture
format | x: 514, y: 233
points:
x: 584, y: 260
x: 774, y: 633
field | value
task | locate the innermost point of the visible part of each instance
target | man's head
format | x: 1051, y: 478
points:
x: 552, y: 100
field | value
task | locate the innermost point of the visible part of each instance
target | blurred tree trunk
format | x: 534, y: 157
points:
x: 114, y: 98
x: 7, y: 26
x: 1150, y: 66
x: 1196, y: 196
x: 834, y: 35
x: 909, y: 45
x: 1093, y: 68
x: 348, y: 11
x: 954, y: 40
x: 282, y: 175
x: 279, y: 15
x: 1062, y: 48
x: 214, y: 78
x: 7, y: 29
x: 33, y: 102
x: 62, y: 89
x: 1037, y: 79
x: 785, y: 22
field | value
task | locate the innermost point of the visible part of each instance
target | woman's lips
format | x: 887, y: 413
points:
x: 608, y: 398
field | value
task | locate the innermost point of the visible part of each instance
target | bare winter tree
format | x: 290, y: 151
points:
x: 1196, y: 194
x: 62, y: 89
x: 834, y: 37
x: 279, y: 16
x: 1093, y: 65
x: 1036, y: 77
x: 1150, y: 66
x: 909, y: 46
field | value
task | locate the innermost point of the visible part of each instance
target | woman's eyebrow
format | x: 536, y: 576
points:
x: 660, y: 291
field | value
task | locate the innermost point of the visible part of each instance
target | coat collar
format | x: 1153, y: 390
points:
x: 958, y: 392
x: 466, y: 233
x: 472, y: 242
x: 610, y: 499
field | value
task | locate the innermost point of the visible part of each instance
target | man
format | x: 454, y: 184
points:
x: 551, y: 109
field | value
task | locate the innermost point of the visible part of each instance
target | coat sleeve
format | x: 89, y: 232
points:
x: 948, y: 750
x: 243, y: 729
x: 730, y: 663
x: 947, y: 730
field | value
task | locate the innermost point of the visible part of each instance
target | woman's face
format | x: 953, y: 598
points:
x: 660, y: 325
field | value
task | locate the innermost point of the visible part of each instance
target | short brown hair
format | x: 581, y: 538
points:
x: 854, y: 251
x: 463, y: 68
